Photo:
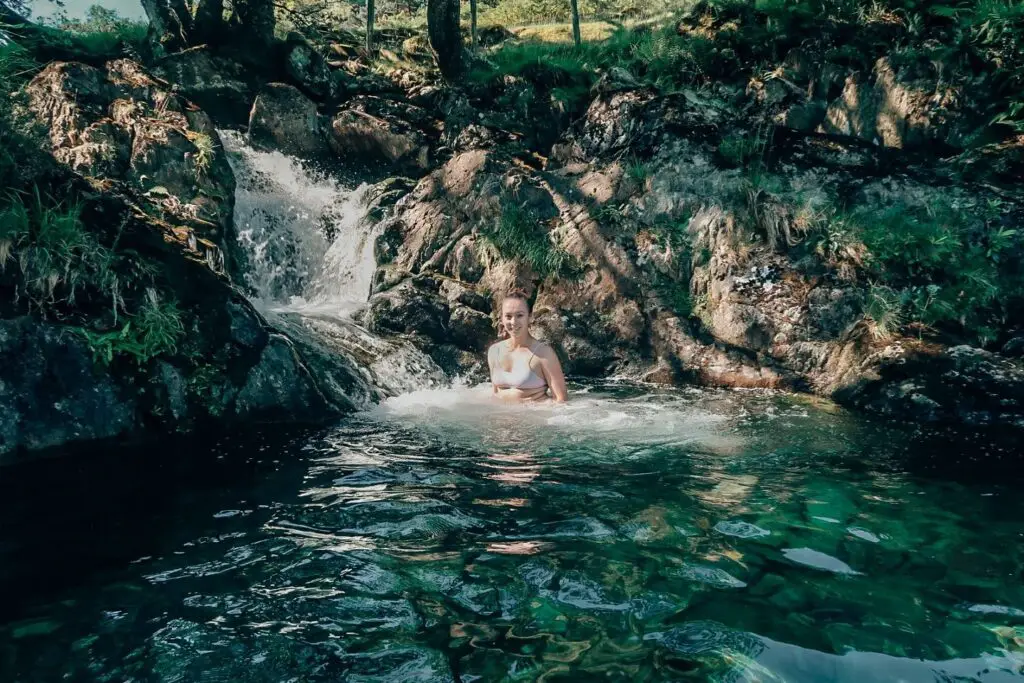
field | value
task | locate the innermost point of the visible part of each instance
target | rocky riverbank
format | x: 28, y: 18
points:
x: 715, y: 235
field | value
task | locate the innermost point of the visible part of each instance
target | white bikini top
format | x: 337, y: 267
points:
x: 521, y: 376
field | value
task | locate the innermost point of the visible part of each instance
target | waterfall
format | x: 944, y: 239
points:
x: 308, y: 241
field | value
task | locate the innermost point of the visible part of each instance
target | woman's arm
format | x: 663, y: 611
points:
x: 553, y: 373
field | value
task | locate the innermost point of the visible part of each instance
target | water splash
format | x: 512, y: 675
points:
x: 628, y: 427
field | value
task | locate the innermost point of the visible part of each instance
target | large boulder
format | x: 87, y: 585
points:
x: 51, y: 392
x: 284, y: 119
x: 412, y: 308
x: 120, y: 125
x: 904, y: 103
x: 377, y: 133
x: 221, y: 87
x: 310, y: 71
x: 58, y: 386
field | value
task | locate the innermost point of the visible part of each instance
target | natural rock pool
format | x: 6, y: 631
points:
x: 634, y: 534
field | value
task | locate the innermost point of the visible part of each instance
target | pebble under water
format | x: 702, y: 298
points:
x: 636, y: 534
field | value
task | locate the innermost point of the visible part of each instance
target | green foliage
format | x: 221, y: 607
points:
x: 204, y: 151
x: 674, y: 289
x: 750, y: 150
x: 674, y: 294
x: 660, y: 58
x: 103, y: 31
x: 521, y: 236
x: 19, y: 153
x: 884, y: 307
x: 156, y: 329
x: 637, y: 171
x: 932, y: 268
x: 524, y: 12
x: 55, y: 255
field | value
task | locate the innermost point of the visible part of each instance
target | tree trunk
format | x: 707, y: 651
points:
x: 208, y: 26
x: 472, y: 22
x: 576, y: 38
x: 370, y: 9
x: 444, y: 37
x: 166, y: 32
x: 256, y: 20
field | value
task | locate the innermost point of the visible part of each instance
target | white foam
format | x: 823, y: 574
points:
x: 473, y: 417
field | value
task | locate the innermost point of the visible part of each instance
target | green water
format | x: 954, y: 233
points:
x: 631, y: 536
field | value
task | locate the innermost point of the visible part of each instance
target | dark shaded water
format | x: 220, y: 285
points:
x: 666, y: 536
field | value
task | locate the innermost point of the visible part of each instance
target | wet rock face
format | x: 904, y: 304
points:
x: 276, y: 385
x: 121, y: 125
x: 51, y: 392
x: 409, y: 308
x: 54, y: 391
x: 958, y: 385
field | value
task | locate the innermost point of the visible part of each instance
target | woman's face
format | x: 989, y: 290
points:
x: 515, y: 317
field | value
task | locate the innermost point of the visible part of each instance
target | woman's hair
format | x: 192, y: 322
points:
x: 517, y: 293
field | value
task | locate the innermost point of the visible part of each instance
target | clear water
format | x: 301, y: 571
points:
x: 634, y: 535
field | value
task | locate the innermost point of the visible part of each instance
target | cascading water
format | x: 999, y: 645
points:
x: 308, y: 241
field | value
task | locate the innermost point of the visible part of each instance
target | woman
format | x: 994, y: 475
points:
x: 523, y: 368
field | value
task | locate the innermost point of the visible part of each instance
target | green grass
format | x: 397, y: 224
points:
x: 936, y: 270
x: 519, y: 235
x: 532, y: 12
x: 56, y: 257
x: 658, y: 58
x: 155, y: 330
x: 102, y: 31
x: 205, y: 151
